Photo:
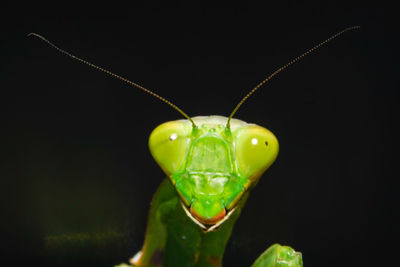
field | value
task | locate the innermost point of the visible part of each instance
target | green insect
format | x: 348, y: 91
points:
x: 211, y: 164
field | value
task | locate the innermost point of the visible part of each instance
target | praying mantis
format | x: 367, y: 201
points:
x: 211, y: 164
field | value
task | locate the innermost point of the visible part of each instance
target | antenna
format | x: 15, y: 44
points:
x: 284, y: 67
x: 115, y: 76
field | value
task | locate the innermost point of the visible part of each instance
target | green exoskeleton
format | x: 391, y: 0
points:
x: 211, y: 164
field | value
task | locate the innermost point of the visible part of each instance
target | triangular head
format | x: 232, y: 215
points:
x: 212, y: 165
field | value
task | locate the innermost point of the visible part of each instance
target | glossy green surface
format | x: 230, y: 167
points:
x: 212, y: 166
x: 279, y: 256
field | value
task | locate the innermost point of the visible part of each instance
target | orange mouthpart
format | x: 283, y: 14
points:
x: 208, y: 221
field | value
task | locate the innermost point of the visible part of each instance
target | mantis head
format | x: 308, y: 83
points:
x: 212, y: 165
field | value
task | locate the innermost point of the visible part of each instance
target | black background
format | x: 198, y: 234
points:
x: 75, y: 168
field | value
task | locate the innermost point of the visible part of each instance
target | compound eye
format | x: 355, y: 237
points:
x: 256, y: 149
x: 168, y: 144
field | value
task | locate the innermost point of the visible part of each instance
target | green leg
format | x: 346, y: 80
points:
x: 279, y: 256
x: 164, y: 203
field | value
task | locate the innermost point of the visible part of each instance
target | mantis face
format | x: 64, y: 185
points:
x: 211, y: 165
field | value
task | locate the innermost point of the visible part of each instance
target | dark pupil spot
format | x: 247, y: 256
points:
x: 266, y: 143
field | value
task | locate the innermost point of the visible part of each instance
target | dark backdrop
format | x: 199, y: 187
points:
x: 75, y: 168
